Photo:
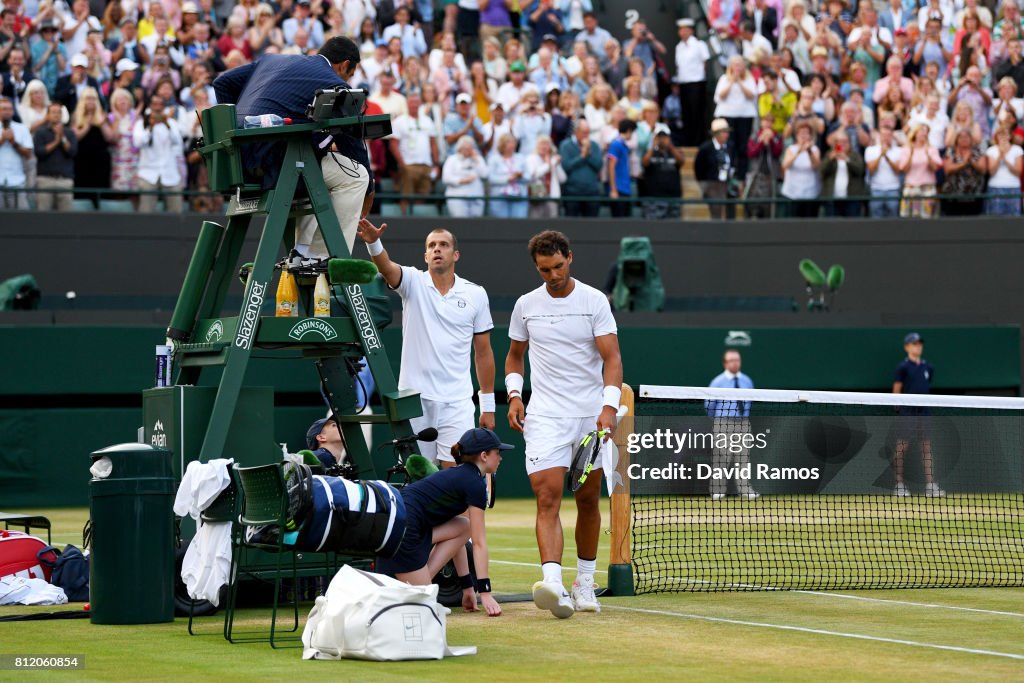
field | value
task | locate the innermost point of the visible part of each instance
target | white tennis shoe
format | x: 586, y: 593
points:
x: 901, y: 491
x: 552, y: 596
x: 933, y: 491
x: 583, y: 596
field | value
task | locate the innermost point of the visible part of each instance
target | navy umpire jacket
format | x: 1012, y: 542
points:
x: 282, y: 85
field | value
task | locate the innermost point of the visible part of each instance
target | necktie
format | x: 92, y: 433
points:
x: 741, y: 408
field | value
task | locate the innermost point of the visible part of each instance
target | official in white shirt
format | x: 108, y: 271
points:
x: 692, y: 56
x: 444, y: 319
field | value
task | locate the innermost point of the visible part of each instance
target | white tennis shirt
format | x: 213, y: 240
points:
x: 566, y: 370
x: 437, y: 334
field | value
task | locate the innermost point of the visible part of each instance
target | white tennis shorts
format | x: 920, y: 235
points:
x: 450, y: 419
x: 551, y: 441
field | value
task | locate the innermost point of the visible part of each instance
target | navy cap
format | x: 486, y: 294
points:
x: 912, y: 338
x: 313, y: 431
x: 479, y: 440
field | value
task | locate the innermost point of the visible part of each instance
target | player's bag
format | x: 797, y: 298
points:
x: 363, y: 516
x: 372, y: 616
x: 70, y: 571
x: 25, y: 556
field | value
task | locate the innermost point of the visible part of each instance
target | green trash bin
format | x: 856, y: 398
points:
x: 131, y: 568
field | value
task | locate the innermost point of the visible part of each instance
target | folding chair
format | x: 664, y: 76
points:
x: 264, y: 502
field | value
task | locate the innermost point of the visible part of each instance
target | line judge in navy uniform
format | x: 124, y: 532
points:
x: 285, y: 85
x: 731, y: 417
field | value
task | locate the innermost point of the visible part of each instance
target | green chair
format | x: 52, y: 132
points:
x: 390, y: 209
x: 223, y: 509
x: 264, y: 502
x: 116, y: 206
x: 426, y: 210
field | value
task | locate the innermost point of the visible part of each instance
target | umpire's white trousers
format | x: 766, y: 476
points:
x: 722, y: 458
x: 347, y: 181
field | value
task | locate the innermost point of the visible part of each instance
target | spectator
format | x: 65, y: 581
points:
x: 932, y: 47
x: 92, y: 157
x: 972, y: 30
x: 448, y: 77
x: 971, y: 91
x: 724, y: 16
x: 55, y: 149
x: 648, y: 83
x: 200, y: 81
x: 582, y: 162
x: 545, y: 176
x: 754, y: 45
x: 598, y: 108
x: 649, y: 120
x: 593, y: 35
x: 111, y: 23
x: 549, y: 71
x: 616, y: 67
x: 414, y: 146
x: 463, y: 123
x: 70, y: 87
x: 544, y: 19
x: 16, y: 146
x: 736, y: 102
x: 1007, y: 108
x: 301, y: 18
x: 574, y: 64
x: 893, y: 76
x: 966, y: 168
x: 842, y: 176
x: 800, y: 165
x: 895, y: 16
x: 851, y: 121
x: 119, y: 131
x: 589, y: 77
x: 49, y: 56
x: 895, y: 103
x: 1004, y: 169
x: 963, y: 120
x: 482, y: 89
x: 159, y: 142
x: 510, y: 94
x: 764, y: 151
x: 413, y: 42
x: 692, y: 57
x: 264, y: 34
x: 494, y: 64
x: 1012, y: 66
x: 387, y: 98
x: 32, y: 108
x: 77, y: 26
x: 17, y: 76
x: 463, y: 176
x: 644, y: 45
x: 1010, y: 17
x: 467, y: 25
x: 564, y: 116
x: 764, y: 19
x: 794, y: 46
x: 919, y: 162
x: 935, y: 118
x: 662, y: 163
x: 161, y: 69
x: 499, y: 125
x: 531, y: 122
x: 506, y: 171
x: 632, y: 99
x: 234, y: 39
x: 619, y: 181
x: 715, y: 167
x: 984, y: 14
x: 494, y: 18
x: 673, y: 114
x: 128, y: 47
x: 804, y: 112
x: 772, y: 101
x: 869, y: 43
x: 882, y: 160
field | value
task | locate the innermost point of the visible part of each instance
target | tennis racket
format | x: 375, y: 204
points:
x: 584, y: 458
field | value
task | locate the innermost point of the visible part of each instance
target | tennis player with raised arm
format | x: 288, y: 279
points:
x: 576, y: 380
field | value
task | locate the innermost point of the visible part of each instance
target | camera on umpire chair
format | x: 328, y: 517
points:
x: 332, y: 103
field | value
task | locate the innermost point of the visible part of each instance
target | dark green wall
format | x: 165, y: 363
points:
x: 66, y: 391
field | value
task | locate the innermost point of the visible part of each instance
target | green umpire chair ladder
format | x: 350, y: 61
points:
x: 202, y: 337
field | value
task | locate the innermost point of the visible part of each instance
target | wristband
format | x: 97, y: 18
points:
x: 466, y: 581
x: 515, y: 394
x: 514, y: 382
x: 486, y: 402
x: 612, y: 396
x: 483, y: 585
x: 375, y: 248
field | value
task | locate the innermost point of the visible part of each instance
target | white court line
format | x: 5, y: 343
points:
x: 802, y: 629
x: 911, y: 604
x: 534, y: 564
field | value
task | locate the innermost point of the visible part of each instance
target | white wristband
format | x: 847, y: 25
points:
x: 375, y: 248
x: 486, y: 402
x: 514, y: 382
x: 612, y: 396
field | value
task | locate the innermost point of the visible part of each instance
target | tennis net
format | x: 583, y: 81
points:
x: 734, y: 489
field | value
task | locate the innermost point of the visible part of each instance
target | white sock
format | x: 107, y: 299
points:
x: 552, y: 572
x: 585, y: 568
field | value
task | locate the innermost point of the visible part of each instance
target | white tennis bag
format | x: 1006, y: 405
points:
x: 372, y: 616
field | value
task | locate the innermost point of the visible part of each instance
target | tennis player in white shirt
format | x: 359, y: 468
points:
x: 576, y: 379
x: 444, y: 318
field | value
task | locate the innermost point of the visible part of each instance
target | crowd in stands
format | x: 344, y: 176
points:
x: 520, y: 108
